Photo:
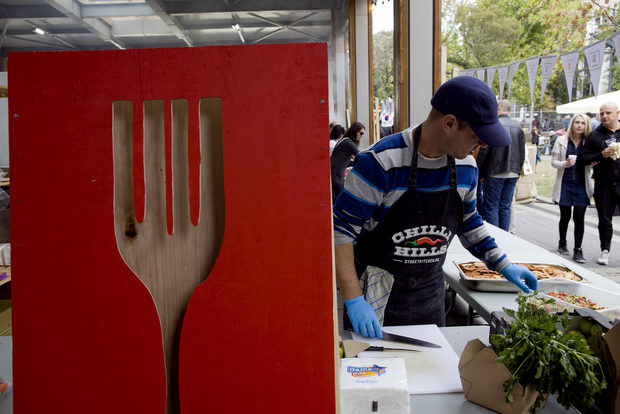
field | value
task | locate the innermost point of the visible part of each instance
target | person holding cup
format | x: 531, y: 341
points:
x: 573, y: 185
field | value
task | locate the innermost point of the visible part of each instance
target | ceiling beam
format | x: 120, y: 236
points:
x: 208, y: 26
x: 55, y: 31
x: 241, y: 6
x: 116, y: 10
x: 159, y: 8
x: 29, y: 12
x: 73, y: 10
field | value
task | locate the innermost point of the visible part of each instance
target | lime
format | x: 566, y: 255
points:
x: 596, y: 330
x: 341, y: 352
x: 585, y: 326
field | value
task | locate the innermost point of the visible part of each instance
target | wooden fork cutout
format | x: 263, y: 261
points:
x: 171, y: 266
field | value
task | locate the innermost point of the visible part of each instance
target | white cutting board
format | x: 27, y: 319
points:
x: 432, y: 371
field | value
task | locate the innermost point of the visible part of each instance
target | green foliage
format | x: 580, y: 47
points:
x: 383, y: 64
x: 487, y: 34
x: 536, y: 352
x: 497, y: 32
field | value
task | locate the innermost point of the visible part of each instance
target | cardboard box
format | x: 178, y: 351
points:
x: 610, y: 348
x: 373, y: 385
x: 5, y: 318
x: 607, y: 347
x: 482, y: 378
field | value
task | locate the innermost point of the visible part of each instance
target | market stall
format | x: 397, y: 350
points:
x: 520, y: 250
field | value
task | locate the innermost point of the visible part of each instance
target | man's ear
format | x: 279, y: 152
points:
x: 449, y: 122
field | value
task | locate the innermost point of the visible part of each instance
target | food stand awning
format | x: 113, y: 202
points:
x: 591, y: 104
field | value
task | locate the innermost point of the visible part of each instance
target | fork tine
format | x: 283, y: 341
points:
x: 193, y: 157
x: 168, y: 150
x: 212, y: 203
x: 180, y: 187
x: 154, y: 167
x: 122, y: 132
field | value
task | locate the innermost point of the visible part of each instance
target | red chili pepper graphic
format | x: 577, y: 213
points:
x: 424, y: 240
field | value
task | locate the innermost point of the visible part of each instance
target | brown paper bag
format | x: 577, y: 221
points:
x: 482, y: 378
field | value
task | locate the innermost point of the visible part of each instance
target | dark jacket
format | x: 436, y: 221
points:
x: 499, y: 160
x: 607, y: 170
x: 340, y: 159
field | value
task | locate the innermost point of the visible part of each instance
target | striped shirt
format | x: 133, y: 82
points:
x: 380, y: 177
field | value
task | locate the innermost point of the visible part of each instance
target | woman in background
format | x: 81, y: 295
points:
x: 336, y: 133
x: 345, y: 149
x: 573, y: 186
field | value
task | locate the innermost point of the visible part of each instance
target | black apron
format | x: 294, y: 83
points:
x: 411, y: 243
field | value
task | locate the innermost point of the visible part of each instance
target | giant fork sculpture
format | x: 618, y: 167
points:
x: 169, y: 265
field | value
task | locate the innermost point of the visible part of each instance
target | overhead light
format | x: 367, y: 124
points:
x: 39, y: 31
x: 238, y: 29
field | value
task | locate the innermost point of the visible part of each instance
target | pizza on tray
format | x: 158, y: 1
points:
x: 478, y: 270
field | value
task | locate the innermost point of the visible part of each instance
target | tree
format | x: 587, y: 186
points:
x: 383, y: 64
x: 487, y: 34
x: 544, y: 27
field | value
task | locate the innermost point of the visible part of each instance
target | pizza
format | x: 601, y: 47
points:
x: 577, y: 300
x: 478, y: 270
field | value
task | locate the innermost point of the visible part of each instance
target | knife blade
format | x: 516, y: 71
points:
x: 384, y: 348
x: 405, y: 339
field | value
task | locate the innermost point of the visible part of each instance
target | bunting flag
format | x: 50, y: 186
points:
x: 480, y: 73
x: 532, y: 70
x: 546, y: 63
x: 594, y: 55
x: 502, y: 74
x: 569, y: 61
x: 491, y: 76
x: 470, y: 72
x: 511, y: 74
x: 616, y: 41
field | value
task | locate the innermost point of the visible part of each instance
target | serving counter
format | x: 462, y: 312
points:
x: 455, y: 403
x: 518, y: 250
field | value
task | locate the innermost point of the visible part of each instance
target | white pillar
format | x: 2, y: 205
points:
x: 420, y: 59
x: 361, y: 68
x: 337, y: 66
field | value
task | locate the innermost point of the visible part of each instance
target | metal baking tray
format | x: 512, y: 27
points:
x: 500, y: 284
x: 610, y: 301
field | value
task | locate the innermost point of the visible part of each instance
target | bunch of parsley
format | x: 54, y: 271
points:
x: 536, y: 352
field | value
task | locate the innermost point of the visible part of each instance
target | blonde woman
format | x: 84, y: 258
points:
x: 573, y: 186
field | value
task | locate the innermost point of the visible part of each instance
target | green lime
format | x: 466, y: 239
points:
x: 585, y: 326
x: 341, y: 352
x: 596, y: 330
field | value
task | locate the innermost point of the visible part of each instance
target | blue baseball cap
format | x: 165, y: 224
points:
x: 470, y: 99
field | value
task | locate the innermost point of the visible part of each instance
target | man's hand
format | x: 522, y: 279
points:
x: 363, y: 317
x: 514, y: 273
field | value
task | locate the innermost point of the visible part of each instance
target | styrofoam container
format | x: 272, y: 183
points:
x: 373, y: 385
x: 608, y: 300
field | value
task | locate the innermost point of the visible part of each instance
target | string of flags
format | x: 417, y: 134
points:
x: 594, y: 54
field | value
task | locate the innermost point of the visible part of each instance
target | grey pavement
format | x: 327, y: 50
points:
x: 537, y: 222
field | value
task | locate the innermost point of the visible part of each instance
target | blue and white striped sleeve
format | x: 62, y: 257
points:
x: 361, y: 197
x: 474, y: 235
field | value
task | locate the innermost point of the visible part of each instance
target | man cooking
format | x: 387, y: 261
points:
x: 402, y: 203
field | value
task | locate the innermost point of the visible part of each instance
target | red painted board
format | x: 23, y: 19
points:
x: 258, y: 333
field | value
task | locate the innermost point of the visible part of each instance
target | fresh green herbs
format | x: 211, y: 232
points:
x: 536, y: 352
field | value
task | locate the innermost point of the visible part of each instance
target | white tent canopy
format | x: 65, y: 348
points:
x: 592, y: 104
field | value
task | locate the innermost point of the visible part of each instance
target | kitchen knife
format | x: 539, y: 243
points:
x: 384, y: 348
x: 407, y: 340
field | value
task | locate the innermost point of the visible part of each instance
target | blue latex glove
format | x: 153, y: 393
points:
x: 514, y: 273
x: 363, y: 317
